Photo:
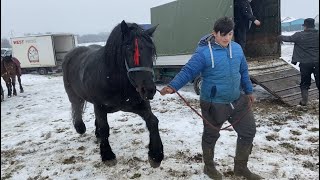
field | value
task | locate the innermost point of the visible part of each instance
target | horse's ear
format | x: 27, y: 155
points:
x: 124, y: 28
x: 151, y: 30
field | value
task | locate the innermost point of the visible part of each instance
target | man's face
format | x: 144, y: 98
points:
x: 223, y: 39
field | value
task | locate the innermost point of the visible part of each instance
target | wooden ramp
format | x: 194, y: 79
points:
x: 280, y: 79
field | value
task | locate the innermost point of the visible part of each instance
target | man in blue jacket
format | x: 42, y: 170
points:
x: 224, y: 71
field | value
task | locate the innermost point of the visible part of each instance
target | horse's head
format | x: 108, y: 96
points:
x: 7, y: 58
x: 140, y: 52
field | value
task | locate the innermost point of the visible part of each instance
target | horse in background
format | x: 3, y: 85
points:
x: 9, y: 70
x: 115, y: 77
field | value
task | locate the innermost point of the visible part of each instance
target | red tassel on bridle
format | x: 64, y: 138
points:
x: 136, y: 53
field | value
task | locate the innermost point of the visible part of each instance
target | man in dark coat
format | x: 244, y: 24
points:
x: 243, y: 18
x: 306, y: 51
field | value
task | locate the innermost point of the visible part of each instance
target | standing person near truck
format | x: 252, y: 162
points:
x: 305, y: 51
x: 243, y: 18
x: 224, y: 72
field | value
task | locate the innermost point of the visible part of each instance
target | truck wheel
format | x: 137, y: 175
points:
x: 197, y: 84
x: 42, y: 71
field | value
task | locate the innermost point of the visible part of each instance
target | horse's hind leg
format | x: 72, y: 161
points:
x: 155, y: 145
x: 14, y: 85
x: 21, y: 88
x: 103, y: 130
x: 77, y: 105
x: 77, y: 111
x: 97, y: 131
x: 9, y: 87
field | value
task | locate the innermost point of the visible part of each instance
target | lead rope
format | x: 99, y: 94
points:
x: 206, y: 121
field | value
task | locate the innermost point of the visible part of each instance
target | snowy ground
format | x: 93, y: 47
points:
x: 38, y: 140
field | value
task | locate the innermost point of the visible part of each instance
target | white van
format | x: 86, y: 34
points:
x: 43, y: 53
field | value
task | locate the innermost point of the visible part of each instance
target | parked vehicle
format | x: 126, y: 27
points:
x: 183, y: 22
x: 43, y: 53
x: 5, y: 51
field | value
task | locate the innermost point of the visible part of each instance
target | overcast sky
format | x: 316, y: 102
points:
x: 93, y: 16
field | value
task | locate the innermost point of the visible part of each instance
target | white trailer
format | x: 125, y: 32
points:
x: 43, y: 53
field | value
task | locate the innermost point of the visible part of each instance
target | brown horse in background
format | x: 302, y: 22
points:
x: 9, y: 71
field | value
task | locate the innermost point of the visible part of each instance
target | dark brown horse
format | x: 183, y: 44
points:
x: 9, y: 70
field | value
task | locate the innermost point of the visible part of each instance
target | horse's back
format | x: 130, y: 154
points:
x: 74, y: 65
x: 78, y: 55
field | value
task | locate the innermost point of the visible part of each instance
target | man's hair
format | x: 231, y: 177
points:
x: 224, y: 25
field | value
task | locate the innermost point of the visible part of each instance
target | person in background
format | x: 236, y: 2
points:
x: 224, y: 73
x: 305, y: 51
x: 243, y: 18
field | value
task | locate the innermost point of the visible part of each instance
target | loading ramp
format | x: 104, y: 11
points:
x: 279, y: 78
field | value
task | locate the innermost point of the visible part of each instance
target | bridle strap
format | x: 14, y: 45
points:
x: 136, y: 69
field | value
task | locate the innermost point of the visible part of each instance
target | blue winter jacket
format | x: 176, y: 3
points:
x: 224, y: 71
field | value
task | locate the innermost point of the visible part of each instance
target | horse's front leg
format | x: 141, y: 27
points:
x: 14, y: 85
x: 21, y: 88
x: 103, y: 130
x: 155, y: 145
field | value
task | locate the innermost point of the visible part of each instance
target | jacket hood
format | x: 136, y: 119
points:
x: 204, y: 40
x: 208, y: 40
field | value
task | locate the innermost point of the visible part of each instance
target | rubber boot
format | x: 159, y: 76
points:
x: 241, y: 161
x: 209, y: 167
x: 304, y: 95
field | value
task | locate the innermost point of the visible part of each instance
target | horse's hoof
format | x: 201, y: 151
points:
x: 80, y: 128
x: 21, y: 91
x: 153, y: 163
x: 9, y: 96
x: 109, y: 160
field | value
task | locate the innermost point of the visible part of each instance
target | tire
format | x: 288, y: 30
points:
x: 42, y: 71
x: 197, y: 84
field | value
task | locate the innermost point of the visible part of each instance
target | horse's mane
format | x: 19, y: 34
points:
x: 117, y: 39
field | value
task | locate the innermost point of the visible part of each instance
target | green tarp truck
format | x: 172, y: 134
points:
x: 182, y: 23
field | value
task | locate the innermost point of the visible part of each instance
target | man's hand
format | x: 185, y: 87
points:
x: 166, y: 90
x: 294, y: 63
x: 257, y: 22
x: 251, y: 98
